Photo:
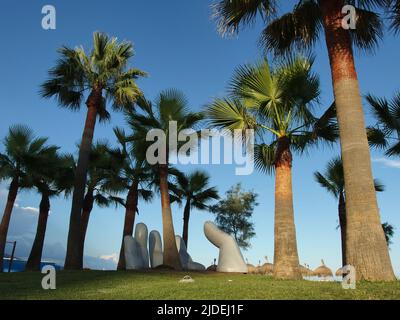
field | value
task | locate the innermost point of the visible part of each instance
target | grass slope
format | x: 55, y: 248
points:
x: 165, y: 285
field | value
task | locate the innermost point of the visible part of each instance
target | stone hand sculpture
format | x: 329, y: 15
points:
x: 155, y: 249
x: 137, y: 256
x: 230, y: 258
x: 186, y: 259
x: 136, y: 253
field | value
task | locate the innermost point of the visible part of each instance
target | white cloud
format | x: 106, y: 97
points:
x: 388, y: 162
x: 32, y: 210
x: 111, y: 257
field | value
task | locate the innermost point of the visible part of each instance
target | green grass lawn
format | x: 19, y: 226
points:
x: 165, y: 285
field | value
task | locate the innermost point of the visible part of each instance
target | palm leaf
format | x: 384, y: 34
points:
x: 231, y: 14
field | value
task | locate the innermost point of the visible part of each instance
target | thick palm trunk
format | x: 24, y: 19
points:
x: 286, y: 259
x: 86, y: 211
x: 35, y: 257
x: 5, y: 221
x: 366, y: 247
x: 186, y: 217
x: 72, y: 260
x: 170, y: 255
x: 342, y: 222
x: 129, y: 222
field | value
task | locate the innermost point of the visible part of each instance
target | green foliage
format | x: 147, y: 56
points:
x: 104, y: 165
x: 388, y: 229
x: 275, y: 102
x: 194, y: 187
x: 233, y: 214
x: 24, y: 155
x: 170, y: 105
x: 301, y: 28
x: 386, y: 133
x: 105, y: 68
x: 333, y: 179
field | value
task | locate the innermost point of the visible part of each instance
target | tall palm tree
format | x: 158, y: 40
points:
x: 103, y: 75
x: 135, y: 176
x: 300, y: 29
x: 23, y: 155
x: 277, y: 104
x: 333, y: 181
x: 53, y: 178
x: 100, y: 186
x: 194, y: 188
x: 171, y: 105
x: 386, y: 132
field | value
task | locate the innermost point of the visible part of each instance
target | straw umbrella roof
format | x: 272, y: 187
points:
x: 251, y: 268
x: 305, y: 272
x: 323, y: 271
x: 266, y: 268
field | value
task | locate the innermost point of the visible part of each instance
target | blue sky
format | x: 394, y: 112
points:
x: 177, y: 44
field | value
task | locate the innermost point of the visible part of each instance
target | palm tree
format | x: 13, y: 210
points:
x: 135, y: 176
x: 194, y: 189
x: 100, y: 187
x: 333, y: 181
x: 102, y: 75
x: 394, y: 6
x: 170, y: 106
x: 23, y: 155
x: 386, y: 133
x: 300, y: 29
x: 276, y: 103
x: 53, y: 178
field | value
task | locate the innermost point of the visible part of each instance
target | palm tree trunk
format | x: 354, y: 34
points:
x: 170, y: 255
x: 86, y: 211
x: 186, y: 217
x: 72, y: 260
x: 342, y: 222
x: 5, y: 221
x: 366, y: 247
x: 130, y: 214
x: 286, y: 259
x: 35, y: 257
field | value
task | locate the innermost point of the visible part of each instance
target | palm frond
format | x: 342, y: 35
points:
x: 230, y: 114
x: 231, y: 14
x: 296, y: 30
x: 368, y: 31
x: 377, y: 138
x: 379, y: 186
x: 264, y: 157
x: 333, y: 177
x: 395, y: 16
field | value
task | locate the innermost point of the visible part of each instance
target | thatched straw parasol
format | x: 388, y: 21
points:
x: 305, y: 272
x: 266, y: 268
x: 251, y: 269
x: 323, y: 271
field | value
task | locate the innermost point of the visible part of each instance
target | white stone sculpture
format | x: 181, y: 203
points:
x: 142, y: 236
x: 132, y: 259
x: 155, y: 249
x: 230, y: 258
x: 186, y: 259
x: 136, y: 253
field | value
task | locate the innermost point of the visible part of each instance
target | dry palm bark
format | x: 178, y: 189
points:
x: 286, y: 259
x: 366, y: 247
